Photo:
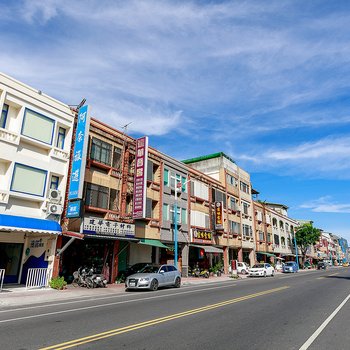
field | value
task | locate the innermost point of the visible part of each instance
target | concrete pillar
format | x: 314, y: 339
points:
x: 184, y: 254
x: 226, y: 259
x: 240, y: 255
x: 252, y: 257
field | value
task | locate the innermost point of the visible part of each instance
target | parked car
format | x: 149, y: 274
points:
x: 290, y: 266
x: 131, y: 270
x: 262, y: 269
x: 154, y: 276
x: 345, y: 264
x: 321, y: 265
x: 242, y: 268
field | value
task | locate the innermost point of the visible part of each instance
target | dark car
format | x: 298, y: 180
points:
x: 122, y: 275
x: 321, y: 265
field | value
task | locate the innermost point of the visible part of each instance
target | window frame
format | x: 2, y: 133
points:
x: 61, y: 137
x: 5, y: 114
x: 54, y: 182
x: 100, y: 149
x: 43, y: 116
x: 29, y: 167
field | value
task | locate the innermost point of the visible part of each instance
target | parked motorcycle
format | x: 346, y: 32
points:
x: 82, y: 278
x: 97, y: 278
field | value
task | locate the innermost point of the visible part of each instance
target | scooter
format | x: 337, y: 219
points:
x: 97, y: 279
x: 82, y: 278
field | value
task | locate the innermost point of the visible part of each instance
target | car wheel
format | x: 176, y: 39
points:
x: 264, y: 273
x: 243, y: 272
x: 272, y: 273
x: 154, y: 285
x: 177, y: 282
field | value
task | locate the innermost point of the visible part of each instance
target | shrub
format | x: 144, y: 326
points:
x: 58, y: 283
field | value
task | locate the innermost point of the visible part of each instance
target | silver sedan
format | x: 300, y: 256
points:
x: 154, y: 276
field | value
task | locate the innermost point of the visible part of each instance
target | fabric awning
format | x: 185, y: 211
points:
x: 22, y: 223
x: 209, y: 248
x: 267, y: 254
x: 152, y: 242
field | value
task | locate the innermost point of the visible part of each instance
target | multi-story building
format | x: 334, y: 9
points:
x: 35, y: 140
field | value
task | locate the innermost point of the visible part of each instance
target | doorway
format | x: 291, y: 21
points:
x: 10, y: 260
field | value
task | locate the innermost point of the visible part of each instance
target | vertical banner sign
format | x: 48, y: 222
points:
x: 79, y: 156
x: 140, y: 176
x: 219, y: 221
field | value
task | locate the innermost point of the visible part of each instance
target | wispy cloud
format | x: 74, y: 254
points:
x: 326, y: 205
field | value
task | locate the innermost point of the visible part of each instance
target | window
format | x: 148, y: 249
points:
x: 234, y: 227
x: 200, y: 190
x: 172, y: 211
x: 245, y: 208
x: 276, y: 239
x: 244, y: 187
x: 97, y: 196
x: 183, y: 216
x: 281, y: 225
x: 269, y: 237
x: 261, y: 236
x: 4, y: 112
x: 219, y: 196
x: 113, y: 199
x: 283, y: 241
x: 37, y: 126
x: 165, y: 212
x: 101, y: 151
x: 61, y: 137
x: 28, y: 180
x: 166, y: 177
x: 54, y: 182
x: 117, y: 156
x: 274, y: 222
x: 183, y: 182
x: 233, y: 205
x: 247, y: 230
x: 230, y: 180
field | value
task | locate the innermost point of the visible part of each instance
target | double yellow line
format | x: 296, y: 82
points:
x: 136, y: 326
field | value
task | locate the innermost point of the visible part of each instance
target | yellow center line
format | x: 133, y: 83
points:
x: 114, y: 332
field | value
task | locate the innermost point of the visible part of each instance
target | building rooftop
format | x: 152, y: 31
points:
x: 206, y: 157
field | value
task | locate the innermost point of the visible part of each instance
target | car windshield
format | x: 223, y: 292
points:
x: 258, y: 266
x: 150, y: 269
x: 289, y: 263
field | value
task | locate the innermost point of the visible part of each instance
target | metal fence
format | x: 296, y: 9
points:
x: 2, y: 275
x: 38, y: 277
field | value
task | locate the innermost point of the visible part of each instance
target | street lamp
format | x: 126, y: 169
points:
x: 296, y: 249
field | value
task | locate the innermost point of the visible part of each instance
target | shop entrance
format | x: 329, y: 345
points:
x: 10, y: 260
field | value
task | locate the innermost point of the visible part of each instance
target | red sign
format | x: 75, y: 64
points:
x: 200, y: 236
x: 140, y: 176
x: 219, y: 220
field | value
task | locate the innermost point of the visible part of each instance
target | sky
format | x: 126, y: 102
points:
x: 266, y: 82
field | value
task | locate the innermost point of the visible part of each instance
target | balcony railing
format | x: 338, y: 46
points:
x: 9, y: 136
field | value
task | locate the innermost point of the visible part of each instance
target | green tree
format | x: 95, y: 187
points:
x: 306, y: 235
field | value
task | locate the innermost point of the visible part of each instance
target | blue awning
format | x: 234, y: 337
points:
x: 21, y: 223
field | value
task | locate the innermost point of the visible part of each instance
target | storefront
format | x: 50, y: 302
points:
x: 26, y: 243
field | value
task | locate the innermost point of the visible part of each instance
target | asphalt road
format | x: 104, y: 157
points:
x: 300, y: 311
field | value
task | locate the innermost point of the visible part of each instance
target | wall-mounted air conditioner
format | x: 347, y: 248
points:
x: 55, y: 196
x: 54, y: 208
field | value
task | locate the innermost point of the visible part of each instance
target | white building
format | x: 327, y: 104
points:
x: 35, y: 142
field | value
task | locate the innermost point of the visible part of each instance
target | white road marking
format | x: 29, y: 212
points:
x: 103, y: 305
x: 323, y: 325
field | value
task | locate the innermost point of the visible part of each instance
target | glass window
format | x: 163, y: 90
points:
x: 117, y: 156
x: 166, y: 177
x: 113, y: 199
x: 244, y: 187
x: 28, y: 180
x: 96, y: 196
x: 61, y: 137
x: 165, y: 212
x: 37, y: 126
x: 54, y: 182
x: 4, y: 113
x: 172, y: 210
x: 183, y: 216
x: 183, y: 182
x: 101, y: 151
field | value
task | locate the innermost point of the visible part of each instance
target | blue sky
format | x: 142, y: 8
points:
x: 267, y: 82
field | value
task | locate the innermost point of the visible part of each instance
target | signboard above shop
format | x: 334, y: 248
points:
x: 98, y: 226
x: 219, y: 221
x: 201, y: 236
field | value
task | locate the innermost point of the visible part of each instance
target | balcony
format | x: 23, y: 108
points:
x: 9, y: 136
x: 59, y: 154
x: 4, y: 197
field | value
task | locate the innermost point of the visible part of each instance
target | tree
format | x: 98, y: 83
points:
x: 306, y: 235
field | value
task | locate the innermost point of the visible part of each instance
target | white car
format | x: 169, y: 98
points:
x: 242, y: 268
x: 262, y: 269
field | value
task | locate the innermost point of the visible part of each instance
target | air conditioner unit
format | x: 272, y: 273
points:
x: 55, y: 195
x: 53, y: 208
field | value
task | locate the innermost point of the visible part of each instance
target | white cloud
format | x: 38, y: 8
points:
x: 326, y: 205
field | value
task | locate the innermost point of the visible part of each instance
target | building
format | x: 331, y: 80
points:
x: 35, y: 141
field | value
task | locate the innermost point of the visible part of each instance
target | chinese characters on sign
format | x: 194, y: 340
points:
x: 139, y: 200
x: 219, y: 223
x: 79, y: 155
x: 200, y: 236
x: 98, y: 226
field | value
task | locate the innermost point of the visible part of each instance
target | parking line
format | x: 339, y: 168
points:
x: 114, y: 332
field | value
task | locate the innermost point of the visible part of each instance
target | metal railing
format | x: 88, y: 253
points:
x: 2, y: 275
x: 38, y: 277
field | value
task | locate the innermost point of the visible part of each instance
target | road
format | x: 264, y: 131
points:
x: 307, y: 310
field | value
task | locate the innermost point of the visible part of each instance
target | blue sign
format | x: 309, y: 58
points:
x: 73, y: 209
x: 79, y: 156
